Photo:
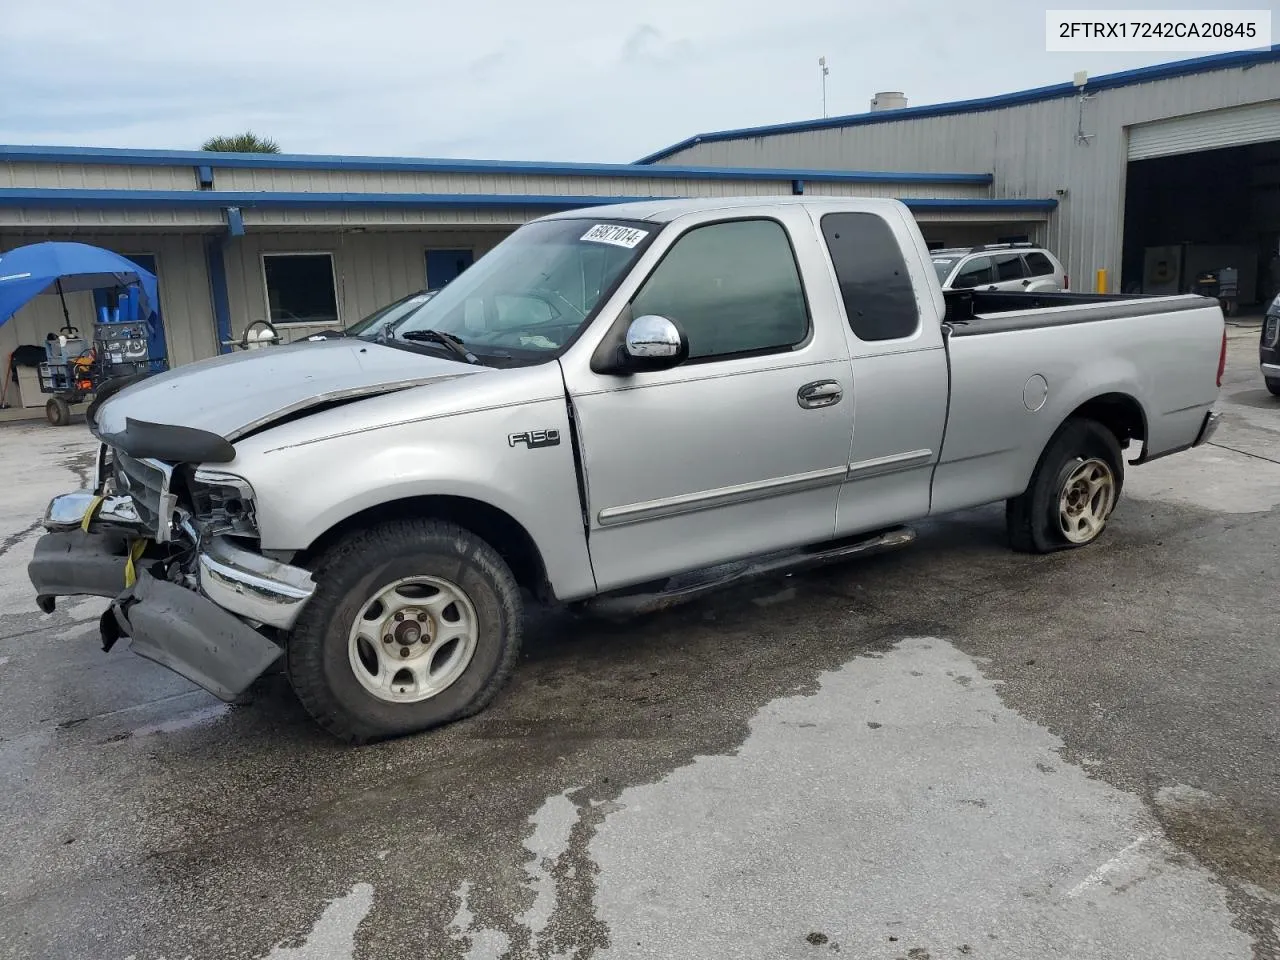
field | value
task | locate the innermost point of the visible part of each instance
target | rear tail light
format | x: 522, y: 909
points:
x: 1222, y: 357
x: 1271, y: 328
x: 1066, y: 282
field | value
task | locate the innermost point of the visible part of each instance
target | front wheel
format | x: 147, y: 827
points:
x: 57, y: 411
x: 413, y: 624
x: 1273, y: 384
x: 1072, y: 493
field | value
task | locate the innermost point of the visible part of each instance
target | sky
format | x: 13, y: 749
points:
x: 500, y: 79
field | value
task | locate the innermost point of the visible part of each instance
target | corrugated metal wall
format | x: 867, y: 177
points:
x: 104, y: 218
x: 97, y: 176
x: 184, y: 295
x: 370, y: 269
x: 1032, y: 150
x: 360, y: 181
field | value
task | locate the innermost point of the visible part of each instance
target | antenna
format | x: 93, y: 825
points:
x: 1081, y: 82
x: 822, y: 66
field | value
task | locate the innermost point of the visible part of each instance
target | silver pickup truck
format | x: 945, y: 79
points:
x: 607, y: 406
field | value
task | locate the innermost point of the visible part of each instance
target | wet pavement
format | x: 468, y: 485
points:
x: 950, y: 751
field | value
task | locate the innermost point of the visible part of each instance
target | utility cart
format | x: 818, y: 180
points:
x: 75, y: 366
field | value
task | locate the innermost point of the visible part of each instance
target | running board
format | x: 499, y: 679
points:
x: 630, y: 604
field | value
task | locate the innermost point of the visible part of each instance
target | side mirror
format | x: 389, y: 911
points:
x: 654, y: 343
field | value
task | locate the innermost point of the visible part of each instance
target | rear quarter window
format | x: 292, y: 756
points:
x: 879, y: 298
x: 1039, y: 265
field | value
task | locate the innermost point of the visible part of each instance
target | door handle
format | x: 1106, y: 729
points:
x: 820, y: 393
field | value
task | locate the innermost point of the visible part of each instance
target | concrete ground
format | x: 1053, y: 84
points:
x: 951, y: 751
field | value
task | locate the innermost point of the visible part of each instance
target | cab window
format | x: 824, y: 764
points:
x: 733, y: 287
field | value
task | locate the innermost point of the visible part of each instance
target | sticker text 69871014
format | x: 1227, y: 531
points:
x: 616, y: 235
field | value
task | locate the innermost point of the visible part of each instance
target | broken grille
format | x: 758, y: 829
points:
x: 147, y: 484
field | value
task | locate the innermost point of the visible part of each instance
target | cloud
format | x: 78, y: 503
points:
x: 573, y: 80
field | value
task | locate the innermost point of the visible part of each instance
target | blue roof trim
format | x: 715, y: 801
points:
x: 243, y: 199
x: 222, y: 199
x: 963, y: 203
x: 1109, y: 81
x: 285, y: 161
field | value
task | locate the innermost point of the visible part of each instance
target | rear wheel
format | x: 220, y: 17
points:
x: 1072, y: 493
x: 413, y: 624
x: 1273, y: 384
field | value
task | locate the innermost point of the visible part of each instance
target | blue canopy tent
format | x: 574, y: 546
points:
x: 62, y: 268
x: 53, y: 267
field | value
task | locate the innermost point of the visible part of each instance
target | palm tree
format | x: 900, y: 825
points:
x: 247, y: 142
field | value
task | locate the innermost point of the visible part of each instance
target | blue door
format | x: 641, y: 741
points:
x: 157, y: 346
x: 445, y: 265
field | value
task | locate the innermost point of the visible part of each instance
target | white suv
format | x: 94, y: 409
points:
x: 999, y: 266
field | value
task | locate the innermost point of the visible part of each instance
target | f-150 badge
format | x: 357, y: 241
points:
x: 535, y: 438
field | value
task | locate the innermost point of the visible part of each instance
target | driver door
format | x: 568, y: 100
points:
x: 740, y: 449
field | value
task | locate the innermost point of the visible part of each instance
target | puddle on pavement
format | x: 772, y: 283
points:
x: 334, y: 935
x: 861, y: 809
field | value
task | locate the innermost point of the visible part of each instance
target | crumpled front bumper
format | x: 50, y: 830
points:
x: 206, y: 635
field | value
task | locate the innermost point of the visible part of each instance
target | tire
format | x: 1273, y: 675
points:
x: 1037, y: 520
x: 361, y: 692
x: 57, y: 411
x: 1273, y: 384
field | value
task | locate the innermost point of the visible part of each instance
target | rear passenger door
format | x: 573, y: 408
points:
x: 899, y: 369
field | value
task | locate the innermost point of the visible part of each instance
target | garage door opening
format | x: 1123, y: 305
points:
x: 1192, y: 214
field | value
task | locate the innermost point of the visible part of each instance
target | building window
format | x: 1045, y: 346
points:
x: 300, y: 287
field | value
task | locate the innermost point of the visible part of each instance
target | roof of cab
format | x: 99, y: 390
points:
x: 664, y: 211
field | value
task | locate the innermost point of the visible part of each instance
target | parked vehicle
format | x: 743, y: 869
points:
x: 393, y: 313
x: 608, y: 402
x: 1269, y: 347
x: 999, y: 266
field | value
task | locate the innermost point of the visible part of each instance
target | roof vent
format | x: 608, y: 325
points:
x: 888, y: 100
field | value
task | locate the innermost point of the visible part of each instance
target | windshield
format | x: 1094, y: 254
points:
x: 529, y: 296
x: 943, y: 266
x: 396, y: 313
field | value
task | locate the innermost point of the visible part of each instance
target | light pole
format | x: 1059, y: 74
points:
x: 822, y: 65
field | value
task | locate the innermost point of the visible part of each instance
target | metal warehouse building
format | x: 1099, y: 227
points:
x: 1160, y: 172
x: 1180, y: 157
x: 310, y: 241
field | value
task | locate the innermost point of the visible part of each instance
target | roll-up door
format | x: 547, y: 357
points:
x: 1210, y: 130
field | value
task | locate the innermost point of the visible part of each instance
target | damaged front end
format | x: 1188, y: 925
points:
x: 173, y: 547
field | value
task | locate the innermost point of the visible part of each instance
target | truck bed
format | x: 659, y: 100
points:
x: 971, y: 312
x: 1056, y: 352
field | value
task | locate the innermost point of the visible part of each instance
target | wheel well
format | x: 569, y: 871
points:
x: 496, y: 527
x: 1119, y: 413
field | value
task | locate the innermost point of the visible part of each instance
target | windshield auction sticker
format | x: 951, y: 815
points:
x: 1115, y: 31
x: 613, y: 234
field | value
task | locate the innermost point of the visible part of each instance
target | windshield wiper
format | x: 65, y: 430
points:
x: 447, y: 340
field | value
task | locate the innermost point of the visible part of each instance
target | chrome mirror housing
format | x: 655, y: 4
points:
x: 655, y: 341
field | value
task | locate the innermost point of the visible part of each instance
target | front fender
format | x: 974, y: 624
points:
x: 304, y: 487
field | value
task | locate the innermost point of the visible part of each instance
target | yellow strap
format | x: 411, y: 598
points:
x: 94, y: 504
x: 135, y: 551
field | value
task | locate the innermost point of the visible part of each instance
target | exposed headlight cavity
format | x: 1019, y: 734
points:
x: 223, y: 503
